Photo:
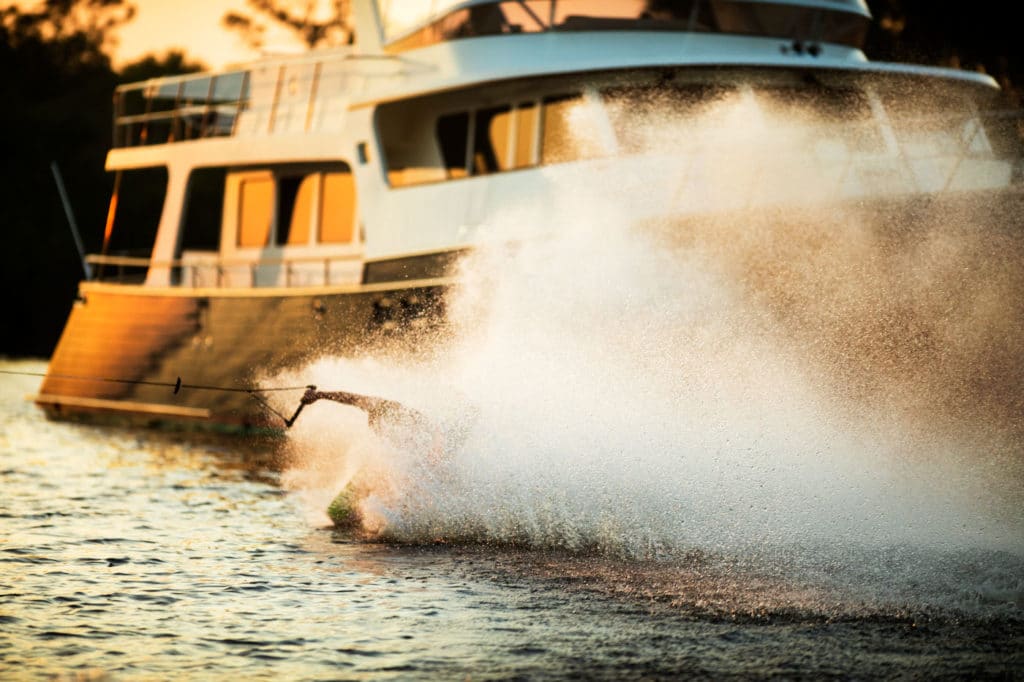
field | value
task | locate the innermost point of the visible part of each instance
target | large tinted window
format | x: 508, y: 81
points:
x: 296, y: 195
x: 453, y: 138
x: 136, y: 211
x: 204, y: 207
x: 488, y: 140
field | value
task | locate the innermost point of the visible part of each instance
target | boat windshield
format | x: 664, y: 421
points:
x: 423, y: 23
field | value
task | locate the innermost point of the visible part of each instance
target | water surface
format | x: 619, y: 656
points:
x: 134, y: 554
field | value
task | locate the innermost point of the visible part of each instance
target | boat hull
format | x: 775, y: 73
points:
x: 124, y: 348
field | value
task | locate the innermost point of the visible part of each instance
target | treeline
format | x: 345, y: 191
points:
x: 985, y: 37
x: 57, y: 84
x: 56, y: 99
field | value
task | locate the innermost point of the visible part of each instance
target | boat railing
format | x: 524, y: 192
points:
x: 274, y: 96
x: 217, y: 272
x: 1005, y: 131
x: 989, y: 135
x: 947, y: 143
x: 177, y: 108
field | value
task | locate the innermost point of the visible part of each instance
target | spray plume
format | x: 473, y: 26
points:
x: 808, y: 374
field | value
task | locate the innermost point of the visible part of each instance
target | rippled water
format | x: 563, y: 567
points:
x: 129, y: 554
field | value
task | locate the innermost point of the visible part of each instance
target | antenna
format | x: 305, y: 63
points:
x: 71, y: 218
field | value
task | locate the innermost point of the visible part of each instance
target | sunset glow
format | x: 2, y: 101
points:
x: 190, y: 25
x: 193, y: 26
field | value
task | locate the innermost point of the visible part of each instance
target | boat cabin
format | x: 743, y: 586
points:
x: 444, y: 118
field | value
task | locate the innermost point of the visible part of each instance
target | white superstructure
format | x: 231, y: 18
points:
x: 444, y: 114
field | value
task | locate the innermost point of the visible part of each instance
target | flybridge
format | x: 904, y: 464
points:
x: 308, y: 94
x: 273, y: 96
x: 179, y: 108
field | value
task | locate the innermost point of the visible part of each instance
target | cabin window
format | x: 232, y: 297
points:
x: 409, y: 146
x: 338, y: 208
x: 295, y: 200
x: 136, y: 211
x: 783, y: 20
x: 490, y: 144
x: 204, y: 208
x: 505, y: 138
x: 490, y: 140
x: 525, y: 136
x: 453, y: 138
x: 255, y: 212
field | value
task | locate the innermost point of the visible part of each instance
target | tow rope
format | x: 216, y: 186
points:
x: 375, y: 408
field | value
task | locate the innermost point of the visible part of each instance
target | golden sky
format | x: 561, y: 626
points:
x: 195, y: 27
x: 191, y: 25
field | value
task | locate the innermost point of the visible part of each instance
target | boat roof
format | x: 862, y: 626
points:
x: 401, y: 18
x: 470, y: 63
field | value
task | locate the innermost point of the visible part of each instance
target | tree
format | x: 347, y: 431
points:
x: 932, y: 32
x: 170, y: 63
x: 91, y: 22
x: 57, y: 91
x: 328, y: 27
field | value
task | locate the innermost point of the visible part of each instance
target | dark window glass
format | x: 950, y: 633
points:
x: 140, y: 202
x: 295, y: 197
x: 204, y: 207
x: 452, y: 137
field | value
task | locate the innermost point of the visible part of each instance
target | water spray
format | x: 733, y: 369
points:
x: 800, y: 375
